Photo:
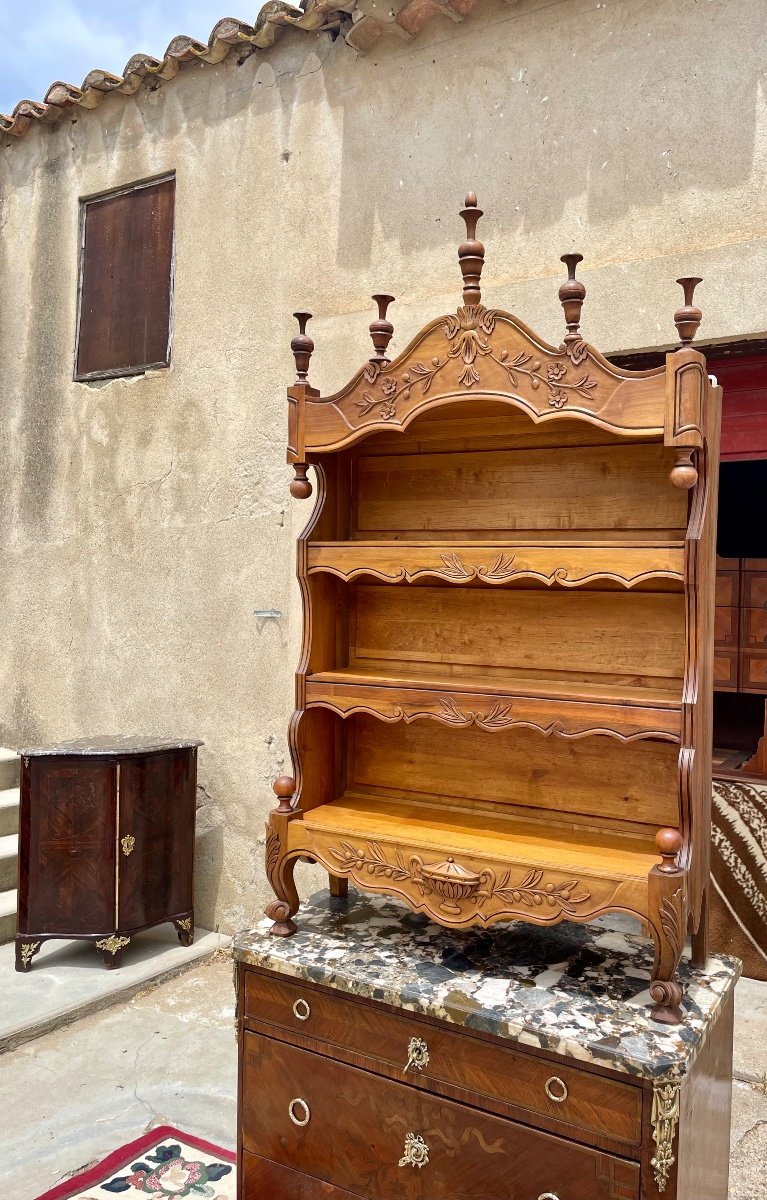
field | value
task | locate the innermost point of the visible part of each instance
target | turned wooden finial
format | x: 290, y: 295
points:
x: 300, y: 486
x: 471, y: 253
x: 684, y: 473
x: 283, y: 788
x: 302, y: 346
x: 688, y: 318
x: 571, y: 296
x: 381, y: 331
x: 669, y: 843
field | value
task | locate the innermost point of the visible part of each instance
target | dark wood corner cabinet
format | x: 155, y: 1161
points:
x: 503, y: 703
x: 106, y: 842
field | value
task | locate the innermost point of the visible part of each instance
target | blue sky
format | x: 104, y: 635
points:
x: 64, y: 39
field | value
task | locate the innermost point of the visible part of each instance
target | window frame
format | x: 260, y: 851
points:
x: 110, y: 194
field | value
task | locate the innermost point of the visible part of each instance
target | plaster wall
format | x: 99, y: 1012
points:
x: 145, y: 520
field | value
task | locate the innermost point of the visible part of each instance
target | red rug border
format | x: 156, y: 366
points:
x: 119, y: 1158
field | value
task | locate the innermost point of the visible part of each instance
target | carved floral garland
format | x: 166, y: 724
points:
x: 468, y: 333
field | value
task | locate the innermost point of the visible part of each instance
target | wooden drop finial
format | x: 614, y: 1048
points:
x: 300, y: 486
x: 381, y: 331
x: 688, y: 318
x: 302, y: 346
x: 471, y: 253
x: 283, y: 788
x: 684, y: 473
x: 669, y: 843
x: 571, y: 295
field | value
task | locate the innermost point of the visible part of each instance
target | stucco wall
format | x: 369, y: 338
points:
x: 144, y: 520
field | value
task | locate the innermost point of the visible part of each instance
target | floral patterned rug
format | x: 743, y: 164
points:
x: 163, y: 1162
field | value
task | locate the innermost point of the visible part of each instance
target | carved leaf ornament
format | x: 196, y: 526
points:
x: 468, y: 333
x: 456, y: 884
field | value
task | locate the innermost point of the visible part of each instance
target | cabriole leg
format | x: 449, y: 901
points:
x: 185, y: 928
x: 26, y: 949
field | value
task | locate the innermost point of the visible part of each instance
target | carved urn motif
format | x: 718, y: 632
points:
x: 453, y: 882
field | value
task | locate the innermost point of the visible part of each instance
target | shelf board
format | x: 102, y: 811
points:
x: 568, y: 708
x: 624, y: 563
x: 444, y: 831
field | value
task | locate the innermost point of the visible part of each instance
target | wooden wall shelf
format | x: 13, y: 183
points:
x: 551, y: 706
x: 503, y: 703
x: 556, y: 563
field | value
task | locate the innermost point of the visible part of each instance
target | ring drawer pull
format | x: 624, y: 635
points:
x: 301, y: 1010
x: 417, y: 1055
x: 548, y: 1196
x: 557, y: 1097
x: 299, y: 1103
x: 416, y: 1152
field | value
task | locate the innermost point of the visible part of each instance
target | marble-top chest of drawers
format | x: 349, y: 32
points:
x: 386, y: 1058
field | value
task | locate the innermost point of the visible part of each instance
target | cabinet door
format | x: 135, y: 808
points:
x: 753, y: 671
x: 726, y: 627
x: 156, y: 855
x: 727, y: 589
x: 68, y: 847
x: 725, y: 670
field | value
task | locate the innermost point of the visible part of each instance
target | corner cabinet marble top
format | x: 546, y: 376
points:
x: 515, y: 1061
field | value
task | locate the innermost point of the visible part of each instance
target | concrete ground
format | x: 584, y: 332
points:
x: 67, y: 979
x: 168, y: 1056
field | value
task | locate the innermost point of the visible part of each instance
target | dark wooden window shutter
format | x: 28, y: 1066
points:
x: 126, y: 281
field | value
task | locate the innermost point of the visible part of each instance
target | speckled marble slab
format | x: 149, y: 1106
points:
x: 112, y: 744
x: 577, y: 990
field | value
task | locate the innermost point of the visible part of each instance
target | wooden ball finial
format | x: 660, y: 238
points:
x: 684, y: 473
x: 688, y: 318
x: 471, y: 253
x: 669, y: 843
x: 381, y: 331
x: 300, y: 486
x: 283, y: 788
x: 571, y: 296
x: 302, y: 346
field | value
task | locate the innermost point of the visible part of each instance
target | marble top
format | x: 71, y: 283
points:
x: 111, y: 744
x: 577, y: 990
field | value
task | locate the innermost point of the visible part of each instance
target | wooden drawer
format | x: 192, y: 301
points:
x: 753, y: 671
x: 490, y: 1074
x: 265, y: 1180
x: 727, y: 589
x: 356, y: 1129
x: 754, y: 628
x: 725, y: 670
x: 726, y: 626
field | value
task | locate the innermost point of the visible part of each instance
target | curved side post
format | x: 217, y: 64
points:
x: 279, y: 868
x: 667, y: 896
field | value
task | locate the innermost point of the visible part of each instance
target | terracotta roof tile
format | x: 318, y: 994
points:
x: 361, y: 32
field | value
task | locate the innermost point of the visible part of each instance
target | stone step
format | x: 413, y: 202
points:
x: 9, y: 811
x: 9, y: 769
x: 8, y: 850
x: 7, y: 915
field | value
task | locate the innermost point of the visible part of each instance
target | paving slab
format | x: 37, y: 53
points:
x: 68, y: 979
x: 750, y: 1052
x: 167, y: 1056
